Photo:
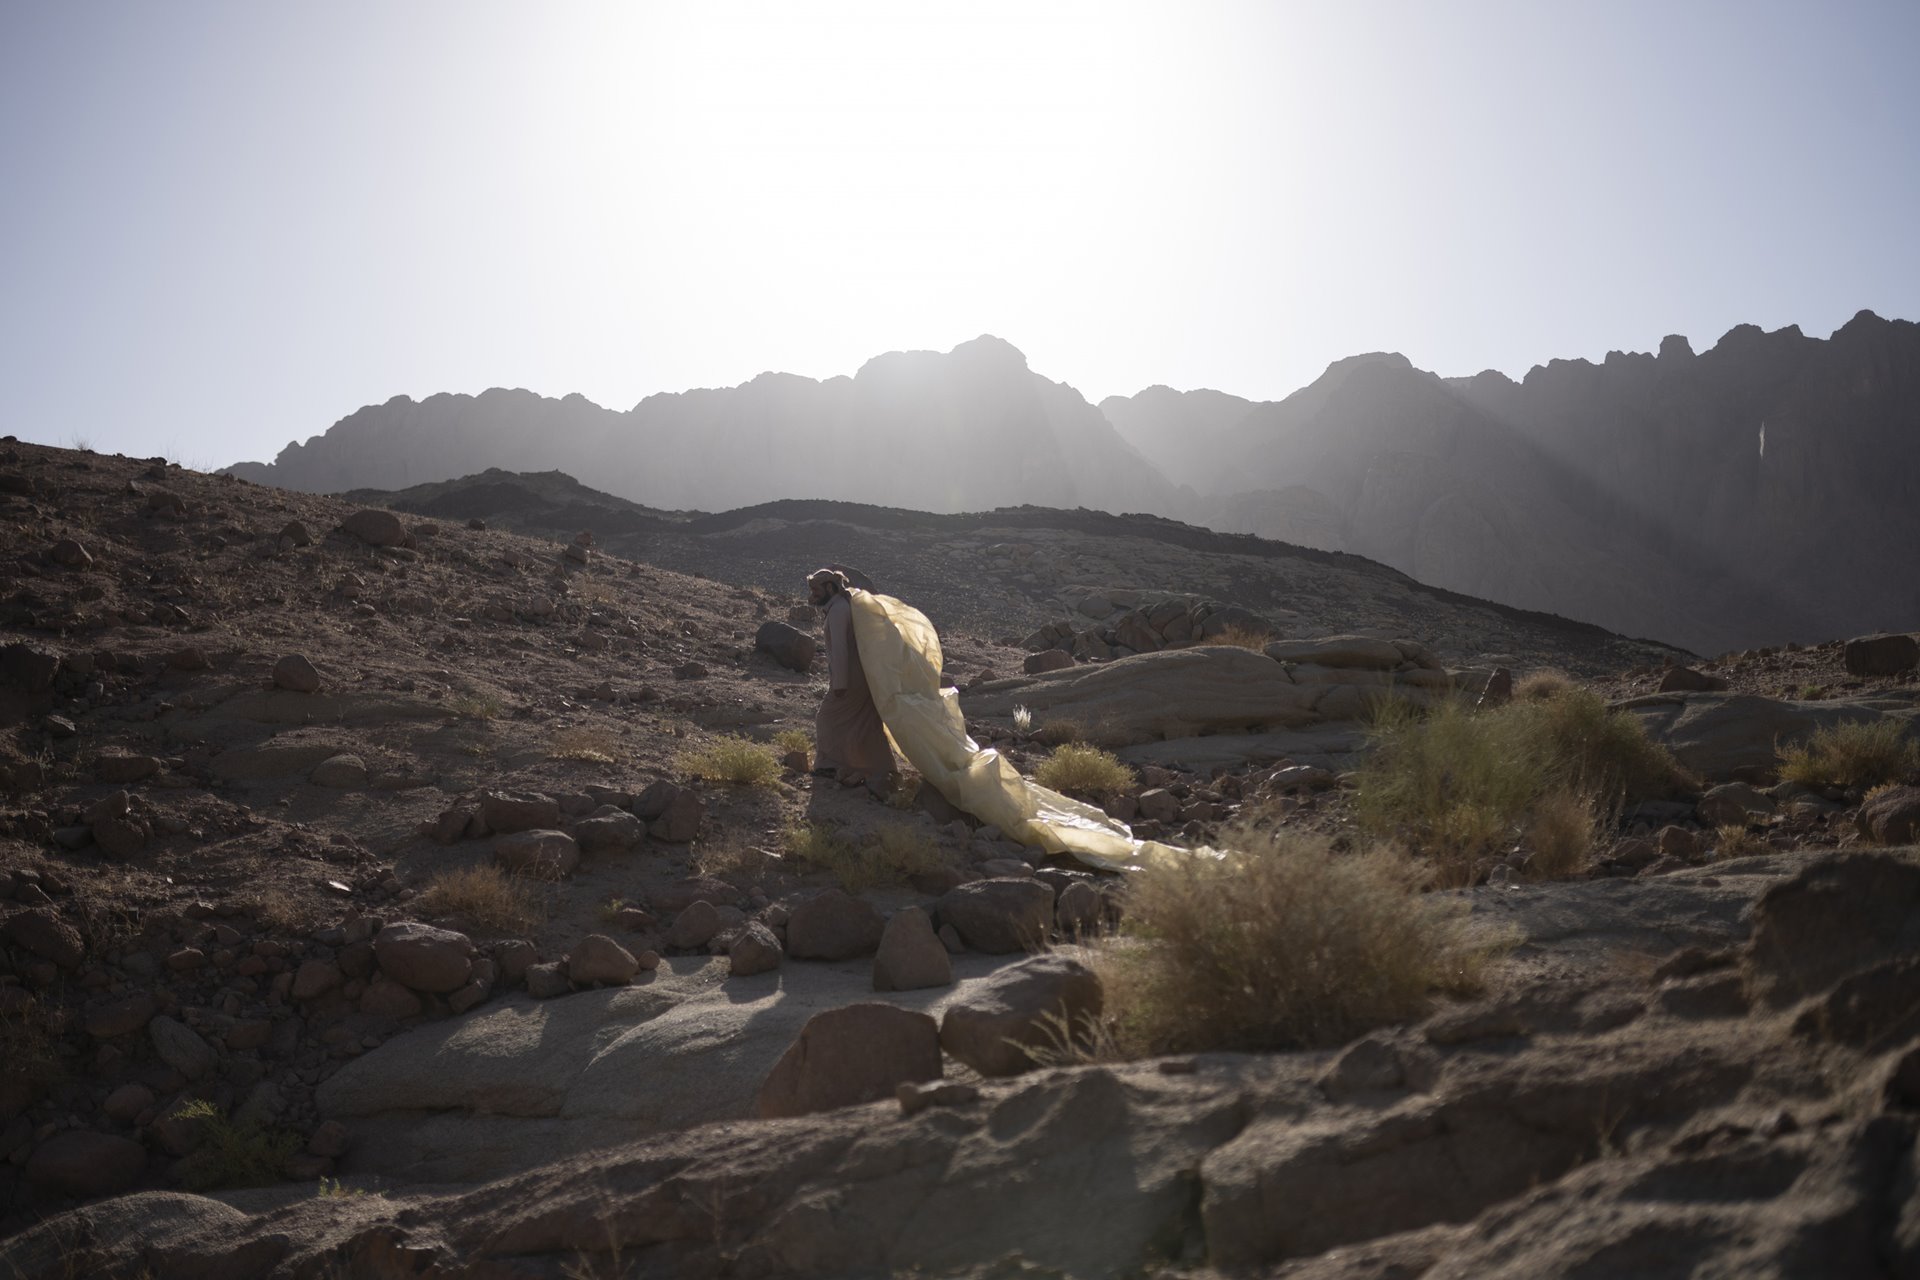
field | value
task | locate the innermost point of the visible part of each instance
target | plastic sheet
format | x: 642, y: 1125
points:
x: 901, y: 654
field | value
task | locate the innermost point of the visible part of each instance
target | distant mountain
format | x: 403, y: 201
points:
x: 970, y: 429
x: 1759, y: 492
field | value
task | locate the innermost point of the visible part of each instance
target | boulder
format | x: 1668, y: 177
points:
x: 543, y: 855
x: 121, y: 1017
x: 654, y: 799
x: 82, y: 1163
x: 786, y: 645
x: 294, y: 672
x: 181, y: 1047
x: 754, y: 950
x: 1170, y: 694
x: 1723, y: 735
x: 69, y: 554
x: 1891, y: 816
x: 423, y: 958
x: 679, y: 820
x: 597, y: 958
x: 545, y: 981
x: 615, y: 833
x: 911, y: 956
x: 506, y: 811
x: 386, y: 998
x: 314, y: 978
x: 342, y: 772
x: 1034, y: 1003
x: 120, y: 837
x: 1881, y: 655
x: 1833, y: 918
x: 42, y: 931
x: 833, y: 925
x: 1734, y: 804
x: 694, y: 927
x: 1355, y: 652
x: 1001, y: 915
x: 1687, y: 680
x: 1038, y: 664
x: 375, y: 527
x: 848, y: 1056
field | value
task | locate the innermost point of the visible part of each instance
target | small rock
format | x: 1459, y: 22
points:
x: 755, y: 950
x: 543, y: 855
x: 342, y: 772
x: 70, y: 555
x: 118, y: 769
x: 1891, y: 816
x: 1687, y: 680
x: 508, y: 811
x: 910, y: 956
x: 424, y: 958
x: 294, y: 533
x: 1036, y: 664
x: 915, y: 1098
x: 598, y: 958
x: 833, y: 925
x: 121, y: 1017
x: 694, y: 927
x: 42, y: 931
x: 296, y: 673
x: 315, y: 978
x: 847, y: 1056
x: 389, y: 999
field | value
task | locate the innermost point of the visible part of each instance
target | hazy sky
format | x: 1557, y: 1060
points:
x: 228, y: 225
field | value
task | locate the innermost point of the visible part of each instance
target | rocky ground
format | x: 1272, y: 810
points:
x: 249, y: 734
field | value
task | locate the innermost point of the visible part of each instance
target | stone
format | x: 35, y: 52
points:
x: 181, y: 1047
x: 1038, y: 664
x: 1079, y: 911
x: 1833, y: 918
x: 125, y: 1103
x: 117, y: 768
x: 545, y: 981
x: 423, y: 958
x: 1734, y: 804
x: 614, y: 833
x: 848, y: 1056
x: 672, y: 899
x: 83, y: 1163
x: 314, y: 978
x: 1000, y: 916
x: 1157, y: 804
x: 654, y: 799
x: 120, y: 837
x: 1891, y: 816
x: 1033, y: 1003
x: 1726, y: 735
x: 1881, y: 655
x: 679, y: 821
x: 786, y: 645
x: 389, y: 999
x: 69, y: 554
x: 509, y: 811
x: 1687, y: 680
x: 343, y: 772
x: 294, y: 672
x: 294, y: 533
x: 911, y: 956
x: 914, y: 1097
x: 754, y: 950
x: 1677, y: 842
x: 189, y: 658
x: 514, y: 957
x: 1171, y: 694
x: 694, y: 927
x: 833, y: 925
x: 543, y: 855
x: 121, y: 1017
x: 42, y: 931
x: 1353, y: 652
x: 597, y: 958
x: 375, y: 527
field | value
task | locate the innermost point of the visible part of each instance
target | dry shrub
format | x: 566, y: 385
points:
x: 734, y: 862
x: 791, y: 740
x: 1061, y: 732
x: 1244, y: 637
x: 1081, y: 770
x: 1735, y: 841
x: 591, y: 742
x: 1543, y: 685
x: 1459, y: 785
x: 741, y: 761
x: 279, y: 910
x: 1561, y: 834
x: 894, y: 855
x: 1279, y: 943
x: 1859, y: 753
x: 483, y: 896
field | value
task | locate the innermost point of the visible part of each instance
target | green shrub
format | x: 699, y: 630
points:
x: 741, y: 761
x: 231, y: 1155
x: 1459, y: 785
x: 1278, y: 943
x: 1859, y: 753
x: 895, y: 854
x: 1081, y: 770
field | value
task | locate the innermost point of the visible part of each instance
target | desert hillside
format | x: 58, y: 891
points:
x: 437, y: 883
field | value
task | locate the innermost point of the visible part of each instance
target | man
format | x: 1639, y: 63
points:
x: 849, y: 739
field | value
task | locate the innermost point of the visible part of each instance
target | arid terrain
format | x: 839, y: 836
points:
x: 435, y: 884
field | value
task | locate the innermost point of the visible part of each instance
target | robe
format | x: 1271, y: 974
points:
x: 848, y: 733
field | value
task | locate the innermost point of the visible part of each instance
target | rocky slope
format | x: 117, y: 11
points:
x: 1637, y: 493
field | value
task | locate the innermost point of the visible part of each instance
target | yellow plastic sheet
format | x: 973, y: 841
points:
x: 901, y: 654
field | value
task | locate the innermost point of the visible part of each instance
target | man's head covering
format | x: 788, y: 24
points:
x: 829, y: 580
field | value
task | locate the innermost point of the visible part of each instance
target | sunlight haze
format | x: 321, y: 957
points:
x: 230, y: 225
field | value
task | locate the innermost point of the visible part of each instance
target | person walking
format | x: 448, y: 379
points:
x: 849, y: 738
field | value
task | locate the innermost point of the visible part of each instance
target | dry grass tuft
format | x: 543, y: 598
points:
x: 790, y: 740
x: 1543, y: 686
x: 1279, y: 943
x: 590, y: 742
x: 1080, y: 770
x: 483, y: 896
x: 1460, y: 785
x: 1859, y: 753
x: 894, y: 855
x: 1735, y: 841
x: 477, y: 706
x: 1564, y: 828
x: 1244, y: 637
x: 740, y: 761
x: 279, y: 910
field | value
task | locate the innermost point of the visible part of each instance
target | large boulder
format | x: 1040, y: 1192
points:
x: 543, y: 855
x: 911, y: 955
x: 1891, y: 816
x: 375, y: 527
x: 833, y: 925
x: 1001, y: 915
x: 1038, y: 1002
x: 519, y: 810
x: 613, y: 833
x: 423, y: 958
x: 42, y: 931
x: 1881, y: 655
x: 1355, y: 652
x: 754, y: 950
x: 1834, y: 918
x: 1722, y: 736
x: 1171, y: 694
x: 789, y: 646
x: 597, y: 958
x: 845, y: 1057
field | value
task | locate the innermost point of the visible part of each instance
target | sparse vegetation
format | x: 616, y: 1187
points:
x: 29, y: 1046
x: 1543, y: 686
x: 590, y: 742
x: 895, y: 854
x: 1561, y: 834
x: 483, y: 896
x: 1279, y: 943
x: 1458, y: 785
x: 275, y: 908
x: 905, y: 795
x: 1735, y: 841
x: 234, y: 1155
x: 1085, y: 771
x: 740, y: 761
x: 794, y: 740
x: 1859, y: 753
x: 477, y: 706
x: 1022, y: 719
x: 1242, y: 636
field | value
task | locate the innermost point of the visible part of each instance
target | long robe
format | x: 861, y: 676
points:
x: 848, y: 733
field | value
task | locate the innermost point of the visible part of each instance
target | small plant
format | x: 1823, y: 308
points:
x: 1543, y: 686
x: 1085, y: 771
x: 1561, y: 834
x: 1022, y: 720
x: 791, y: 741
x: 740, y: 761
x: 1859, y: 753
x: 594, y: 743
x: 477, y: 706
x: 483, y: 896
x: 334, y: 1189
x: 234, y: 1155
x: 1811, y: 692
x: 1242, y: 636
x: 610, y: 909
x: 895, y: 854
x: 1279, y: 943
x: 1735, y: 841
